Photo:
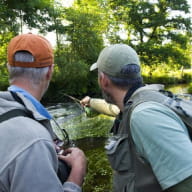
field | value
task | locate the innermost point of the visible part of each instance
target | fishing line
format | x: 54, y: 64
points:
x: 77, y: 101
x: 64, y: 133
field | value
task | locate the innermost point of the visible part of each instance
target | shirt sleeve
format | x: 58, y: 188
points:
x: 101, y: 106
x: 161, y: 138
x: 35, y: 169
x: 71, y: 187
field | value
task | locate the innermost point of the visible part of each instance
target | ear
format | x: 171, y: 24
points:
x: 50, y: 72
x: 104, y: 81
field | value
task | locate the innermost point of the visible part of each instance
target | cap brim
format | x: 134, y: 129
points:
x: 93, y: 67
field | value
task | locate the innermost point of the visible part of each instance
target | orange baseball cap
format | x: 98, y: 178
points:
x: 37, y: 45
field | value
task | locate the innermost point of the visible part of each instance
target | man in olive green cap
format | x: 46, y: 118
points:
x: 146, y: 148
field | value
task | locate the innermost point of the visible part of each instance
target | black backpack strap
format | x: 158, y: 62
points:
x: 17, y: 98
x: 14, y: 113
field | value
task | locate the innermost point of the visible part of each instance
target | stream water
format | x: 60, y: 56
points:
x: 89, y: 132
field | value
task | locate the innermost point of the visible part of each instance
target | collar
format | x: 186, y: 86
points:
x: 131, y: 91
x: 39, y: 107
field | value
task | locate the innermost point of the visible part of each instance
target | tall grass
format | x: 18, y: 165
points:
x: 166, y: 75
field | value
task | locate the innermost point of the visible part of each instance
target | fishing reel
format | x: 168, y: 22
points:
x: 63, y: 168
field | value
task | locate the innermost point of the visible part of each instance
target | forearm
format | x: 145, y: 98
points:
x: 102, y: 106
x: 38, y: 165
x: 76, y: 178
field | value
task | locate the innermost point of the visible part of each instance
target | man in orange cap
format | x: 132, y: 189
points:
x: 29, y: 160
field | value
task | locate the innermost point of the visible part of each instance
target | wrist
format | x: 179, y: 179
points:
x: 89, y: 101
x: 78, y: 179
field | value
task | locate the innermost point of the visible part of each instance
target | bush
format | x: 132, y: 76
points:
x: 165, y: 75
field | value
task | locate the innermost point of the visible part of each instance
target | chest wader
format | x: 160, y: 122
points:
x: 131, y: 172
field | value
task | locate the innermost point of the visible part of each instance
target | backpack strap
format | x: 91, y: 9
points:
x: 164, y: 97
x: 17, y: 98
x: 14, y: 113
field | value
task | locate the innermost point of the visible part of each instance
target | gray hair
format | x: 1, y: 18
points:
x: 127, y: 83
x: 34, y: 75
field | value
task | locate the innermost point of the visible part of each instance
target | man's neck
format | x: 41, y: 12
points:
x: 119, y: 98
x: 35, y: 92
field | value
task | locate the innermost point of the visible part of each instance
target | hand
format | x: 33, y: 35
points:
x: 76, y: 159
x: 85, y: 101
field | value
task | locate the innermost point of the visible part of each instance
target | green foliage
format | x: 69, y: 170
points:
x: 13, y: 15
x: 23, y: 4
x: 83, y: 32
x: 4, y: 39
x: 166, y: 75
x: 70, y: 76
x: 8, y: 19
x: 99, y: 177
x: 153, y: 30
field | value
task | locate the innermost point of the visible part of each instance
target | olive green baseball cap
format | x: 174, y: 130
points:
x: 114, y: 57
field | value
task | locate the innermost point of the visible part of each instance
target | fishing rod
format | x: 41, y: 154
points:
x: 71, y: 97
x: 77, y: 101
x: 64, y: 133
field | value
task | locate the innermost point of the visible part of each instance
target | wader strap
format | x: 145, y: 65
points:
x: 14, y: 113
x: 145, y: 179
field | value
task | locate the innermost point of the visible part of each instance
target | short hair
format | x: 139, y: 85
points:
x: 127, y: 83
x: 35, y: 75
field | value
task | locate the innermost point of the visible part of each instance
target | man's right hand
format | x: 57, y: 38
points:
x: 85, y: 101
x: 76, y: 159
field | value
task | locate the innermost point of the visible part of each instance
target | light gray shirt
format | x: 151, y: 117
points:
x: 28, y: 160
